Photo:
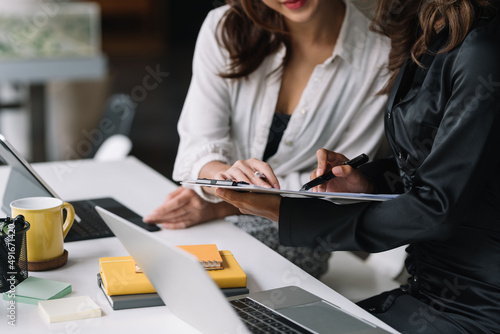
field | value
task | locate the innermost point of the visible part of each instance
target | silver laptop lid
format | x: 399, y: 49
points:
x: 179, y: 279
x: 23, y: 180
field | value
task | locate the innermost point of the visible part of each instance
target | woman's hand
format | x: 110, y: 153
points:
x: 246, y: 171
x: 347, y: 179
x: 263, y: 205
x: 183, y: 208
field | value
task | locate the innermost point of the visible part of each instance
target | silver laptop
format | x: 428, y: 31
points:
x: 190, y: 293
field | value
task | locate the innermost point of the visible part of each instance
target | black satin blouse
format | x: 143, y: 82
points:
x: 444, y: 130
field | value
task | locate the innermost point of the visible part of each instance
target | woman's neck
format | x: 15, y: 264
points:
x: 323, y: 28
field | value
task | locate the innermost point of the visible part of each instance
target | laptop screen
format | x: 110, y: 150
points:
x: 22, y: 181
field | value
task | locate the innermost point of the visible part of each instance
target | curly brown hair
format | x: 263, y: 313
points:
x: 250, y: 31
x: 411, y: 25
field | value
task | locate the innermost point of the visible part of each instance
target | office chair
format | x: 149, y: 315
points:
x: 115, y: 147
x: 116, y: 144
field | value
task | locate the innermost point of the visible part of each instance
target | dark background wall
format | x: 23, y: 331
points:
x: 156, y: 34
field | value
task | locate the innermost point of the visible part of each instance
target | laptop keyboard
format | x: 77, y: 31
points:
x: 91, y: 227
x: 260, y: 319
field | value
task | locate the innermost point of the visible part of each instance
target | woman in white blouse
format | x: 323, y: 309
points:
x: 276, y: 80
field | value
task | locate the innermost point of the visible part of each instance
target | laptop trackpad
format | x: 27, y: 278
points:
x: 332, y: 319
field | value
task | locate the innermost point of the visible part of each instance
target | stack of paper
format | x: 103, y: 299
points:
x: 66, y: 309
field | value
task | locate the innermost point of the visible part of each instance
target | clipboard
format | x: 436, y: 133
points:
x: 336, y: 197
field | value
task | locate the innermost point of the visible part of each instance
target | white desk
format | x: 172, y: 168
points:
x: 142, y: 189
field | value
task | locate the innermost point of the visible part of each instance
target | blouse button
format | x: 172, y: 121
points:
x: 288, y: 143
x: 303, y: 111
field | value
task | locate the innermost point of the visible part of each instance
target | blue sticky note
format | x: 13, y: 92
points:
x: 34, y: 289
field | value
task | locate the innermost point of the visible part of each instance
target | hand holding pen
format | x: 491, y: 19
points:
x: 342, y: 170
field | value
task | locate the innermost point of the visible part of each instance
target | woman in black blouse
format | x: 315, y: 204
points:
x: 443, y: 123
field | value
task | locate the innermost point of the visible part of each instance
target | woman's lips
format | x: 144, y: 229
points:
x: 294, y: 4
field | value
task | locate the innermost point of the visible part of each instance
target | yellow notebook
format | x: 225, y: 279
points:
x: 120, y: 275
x: 231, y: 276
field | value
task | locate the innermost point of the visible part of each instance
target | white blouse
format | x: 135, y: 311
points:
x: 228, y: 120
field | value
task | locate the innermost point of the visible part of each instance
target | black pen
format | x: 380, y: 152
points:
x: 354, y: 163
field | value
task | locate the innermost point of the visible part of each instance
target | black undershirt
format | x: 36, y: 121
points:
x: 278, y: 127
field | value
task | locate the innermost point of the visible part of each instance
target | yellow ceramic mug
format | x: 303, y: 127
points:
x: 46, y: 235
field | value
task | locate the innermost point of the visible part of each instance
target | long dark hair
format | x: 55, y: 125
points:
x: 411, y: 25
x: 250, y: 31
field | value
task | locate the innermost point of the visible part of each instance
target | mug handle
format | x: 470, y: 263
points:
x: 70, y: 217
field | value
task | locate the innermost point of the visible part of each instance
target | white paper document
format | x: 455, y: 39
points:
x: 341, y: 198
